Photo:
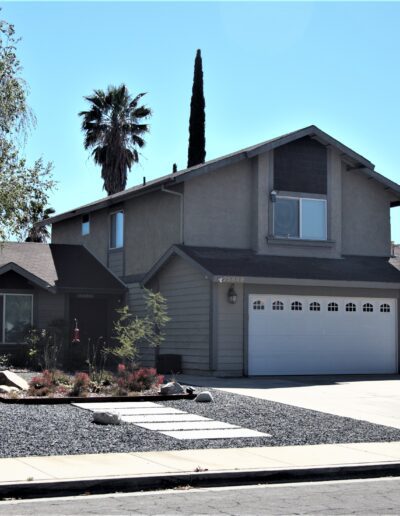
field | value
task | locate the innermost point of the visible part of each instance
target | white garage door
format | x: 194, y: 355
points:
x: 291, y: 335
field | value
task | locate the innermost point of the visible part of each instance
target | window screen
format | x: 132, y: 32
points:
x: 286, y: 218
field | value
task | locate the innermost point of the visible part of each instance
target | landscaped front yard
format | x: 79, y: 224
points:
x: 64, y: 429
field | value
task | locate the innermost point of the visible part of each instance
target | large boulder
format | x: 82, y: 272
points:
x: 6, y: 389
x: 13, y: 380
x: 107, y: 418
x: 204, y: 397
x: 172, y: 388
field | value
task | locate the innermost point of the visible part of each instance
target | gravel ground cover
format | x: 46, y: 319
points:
x: 64, y: 430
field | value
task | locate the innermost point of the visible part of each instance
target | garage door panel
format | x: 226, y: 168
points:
x: 322, y: 341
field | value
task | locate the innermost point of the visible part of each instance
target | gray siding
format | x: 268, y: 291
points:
x: 137, y: 306
x: 116, y: 262
x: 188, y: 297
x: 228, y: 333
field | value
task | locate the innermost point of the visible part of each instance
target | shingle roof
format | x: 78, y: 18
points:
x: 170, y: 179
x: 59, y: 267
x: 245, y: 263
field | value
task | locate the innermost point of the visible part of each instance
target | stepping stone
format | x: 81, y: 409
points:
x: 186, y: 425
x: 234, y: 433
x: 170, y: 418
x: 150, y: 411
x: 115, y: 405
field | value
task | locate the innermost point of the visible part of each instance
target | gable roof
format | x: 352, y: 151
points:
x: 245, y: 263
x: 58, y: 267
x: 359, y: 162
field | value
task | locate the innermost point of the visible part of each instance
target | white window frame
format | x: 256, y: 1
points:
x: 4, y: 295
x: 82, y: 225
x: 123, y: 229
x: 301, y: 199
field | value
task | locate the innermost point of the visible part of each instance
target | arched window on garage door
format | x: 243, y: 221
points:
x: 297, y: 306
x: 367, y: 307
x: 315, y: 307
x: 258, y: 305
x: 385, y: 308
x: 277, y: 305
x: 333, y: 307
x: 351, y: 307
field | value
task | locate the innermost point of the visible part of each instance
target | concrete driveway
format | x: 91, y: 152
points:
x: 375, y: 399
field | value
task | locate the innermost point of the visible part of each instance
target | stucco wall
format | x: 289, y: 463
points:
x: 152, y: 225
x: 365, y: 216
x: 70, y: 232
x: 218, y: 208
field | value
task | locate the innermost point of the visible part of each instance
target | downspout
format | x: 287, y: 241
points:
x: 179, y: 194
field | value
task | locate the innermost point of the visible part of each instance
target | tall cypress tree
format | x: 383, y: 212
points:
x: 197, y: 121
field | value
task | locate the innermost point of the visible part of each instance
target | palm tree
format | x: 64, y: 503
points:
x: 38, y: 213
x: 114, y: 131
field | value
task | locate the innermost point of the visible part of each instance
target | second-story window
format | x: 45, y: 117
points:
x: 117, y: 230
x: 298, y: 217
x: 85, y: 224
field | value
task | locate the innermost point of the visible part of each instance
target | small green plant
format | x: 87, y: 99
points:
x: 130, y: 330
x: 4, y: 361
x: 97, y: 356
x: 45, y: 345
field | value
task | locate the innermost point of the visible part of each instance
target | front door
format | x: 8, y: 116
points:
x: 92, y: 317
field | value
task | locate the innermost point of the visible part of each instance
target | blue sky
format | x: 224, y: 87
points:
x: 269, y: 68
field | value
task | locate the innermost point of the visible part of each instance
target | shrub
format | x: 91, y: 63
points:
x: 42, y: 385
x: 140, y: 380
x: 81, y: 384
x: 131, y: 330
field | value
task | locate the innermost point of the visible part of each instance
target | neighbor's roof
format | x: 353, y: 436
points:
x: 243, y: 263
x: 359, y: 161
x: 58, y: 267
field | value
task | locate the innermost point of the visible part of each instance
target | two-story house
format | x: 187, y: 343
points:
x: 274, y: 259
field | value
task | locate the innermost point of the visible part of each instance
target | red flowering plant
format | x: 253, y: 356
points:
x: 142, y: 379
x: 81, y: 384
x: 49, y: 382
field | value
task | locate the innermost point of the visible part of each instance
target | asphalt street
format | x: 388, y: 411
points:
x: 372, y: 496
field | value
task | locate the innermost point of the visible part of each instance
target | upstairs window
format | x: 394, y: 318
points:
x: 301, y: 218
x: 117, y: 230
x: 85, y: 224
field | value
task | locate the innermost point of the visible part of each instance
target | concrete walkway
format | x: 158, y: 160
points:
x: 113, y: 465
x: 375, y: 399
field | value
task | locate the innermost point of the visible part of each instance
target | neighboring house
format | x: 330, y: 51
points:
x: 273, y: 260
x: 41, y: 283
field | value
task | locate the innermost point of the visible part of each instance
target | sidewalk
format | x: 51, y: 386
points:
x: 63, y: 474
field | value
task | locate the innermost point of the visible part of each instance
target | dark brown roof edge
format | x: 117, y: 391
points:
x: 217, y: 163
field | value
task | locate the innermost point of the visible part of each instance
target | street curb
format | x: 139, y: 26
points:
x: 103, y: 485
